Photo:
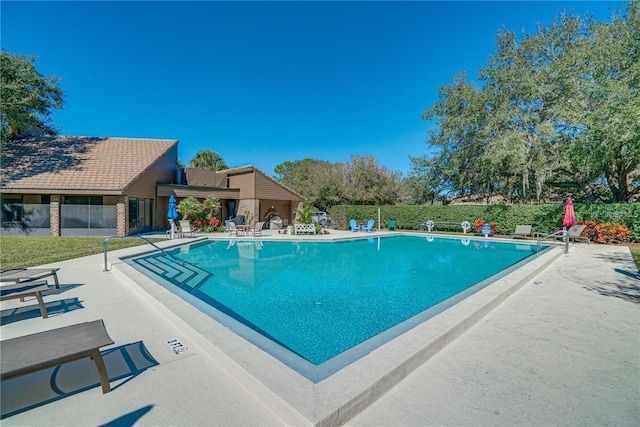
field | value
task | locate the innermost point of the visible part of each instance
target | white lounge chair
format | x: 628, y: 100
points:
x: 231, y: 228
x: 185, y: 227
x: 257, y: 229
x: 522, y: 231
x: 575, y: 232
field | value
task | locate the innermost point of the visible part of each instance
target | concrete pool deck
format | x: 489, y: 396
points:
x: 562, y: 349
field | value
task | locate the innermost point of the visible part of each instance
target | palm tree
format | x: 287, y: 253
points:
x: 189, y: 207
x: 212, y: 203
x: 208, y: 160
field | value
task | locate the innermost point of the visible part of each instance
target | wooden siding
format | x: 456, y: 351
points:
x: 268, y: 189
x: 161, y: 221
x: 162, y: 171
x: 245, y: 182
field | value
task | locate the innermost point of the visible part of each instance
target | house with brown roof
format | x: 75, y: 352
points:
x: 84, y: 186
x: 244, y: 191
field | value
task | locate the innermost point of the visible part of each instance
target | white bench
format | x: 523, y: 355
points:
x: 305, y: 228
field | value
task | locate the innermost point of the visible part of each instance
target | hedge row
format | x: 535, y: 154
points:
x: 543, y: 218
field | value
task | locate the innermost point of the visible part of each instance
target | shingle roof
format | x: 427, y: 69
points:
x: 78, y: 163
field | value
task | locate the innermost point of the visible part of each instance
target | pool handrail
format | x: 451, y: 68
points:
x: 564, y: 233
x: 106, y: 241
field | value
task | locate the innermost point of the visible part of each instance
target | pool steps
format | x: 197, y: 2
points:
x: 186, y: 276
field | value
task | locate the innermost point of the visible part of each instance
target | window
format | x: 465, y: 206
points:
x: 83, y: 200
x: 11, y: 209
x: 140, y: 213
x: 88, y: 212
x: 25, y: 211
x: 133, y: 213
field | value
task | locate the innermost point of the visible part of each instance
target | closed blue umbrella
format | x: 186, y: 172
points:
x: 172, y: 213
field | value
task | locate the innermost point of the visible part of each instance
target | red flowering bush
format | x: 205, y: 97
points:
x: 605, y: 232
x: 480, y: 222
x: 198, y: 224
x: 206, y: 225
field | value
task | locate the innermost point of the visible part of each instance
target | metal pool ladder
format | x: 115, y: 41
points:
x: 564, y: 233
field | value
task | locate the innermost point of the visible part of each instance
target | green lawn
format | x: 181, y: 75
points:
x: 21, y: 252
x: 636, y: 256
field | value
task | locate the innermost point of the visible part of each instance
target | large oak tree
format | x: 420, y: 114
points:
x: 555, y: 113
x: 27, y: 99
x: 361, y: 181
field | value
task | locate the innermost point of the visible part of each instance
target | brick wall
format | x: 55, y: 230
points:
x: 122, y: 215
x: 54, y: 210
x: 249, y: 208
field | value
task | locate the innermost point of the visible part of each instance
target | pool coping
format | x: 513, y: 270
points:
x: 338, y: 398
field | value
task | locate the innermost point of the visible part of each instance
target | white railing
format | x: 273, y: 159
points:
x: 106, y: 241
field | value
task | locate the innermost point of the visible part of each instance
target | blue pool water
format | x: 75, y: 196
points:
x: 319, y: 299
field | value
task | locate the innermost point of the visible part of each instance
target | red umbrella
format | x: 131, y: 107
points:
x: 569, y: 215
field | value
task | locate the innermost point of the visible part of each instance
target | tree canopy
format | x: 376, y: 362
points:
x: 208, y: 160
x: 361, y: 181
x: 556, y: 112
x: 28, y: 98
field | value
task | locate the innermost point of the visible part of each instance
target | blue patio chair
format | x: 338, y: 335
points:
x: 354, y: 226
x: 369, y: 226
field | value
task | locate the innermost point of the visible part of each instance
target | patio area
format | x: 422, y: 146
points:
x: 562, y: 349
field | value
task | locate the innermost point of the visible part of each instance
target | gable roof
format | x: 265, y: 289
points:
x: 78, y: 163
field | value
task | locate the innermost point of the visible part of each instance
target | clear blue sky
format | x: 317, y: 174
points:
x: 265, y: 82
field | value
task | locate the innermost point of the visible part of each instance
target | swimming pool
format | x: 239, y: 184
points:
x: 325, y: 304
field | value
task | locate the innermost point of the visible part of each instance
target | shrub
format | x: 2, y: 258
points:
x: 206, y: 225
x: 480, y: 222
x: 214, y: 222
x: 190, y: 207
x: 305, y: 215
x: 198, y: 223
x: 544, y: 218
x: 605, y: 232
